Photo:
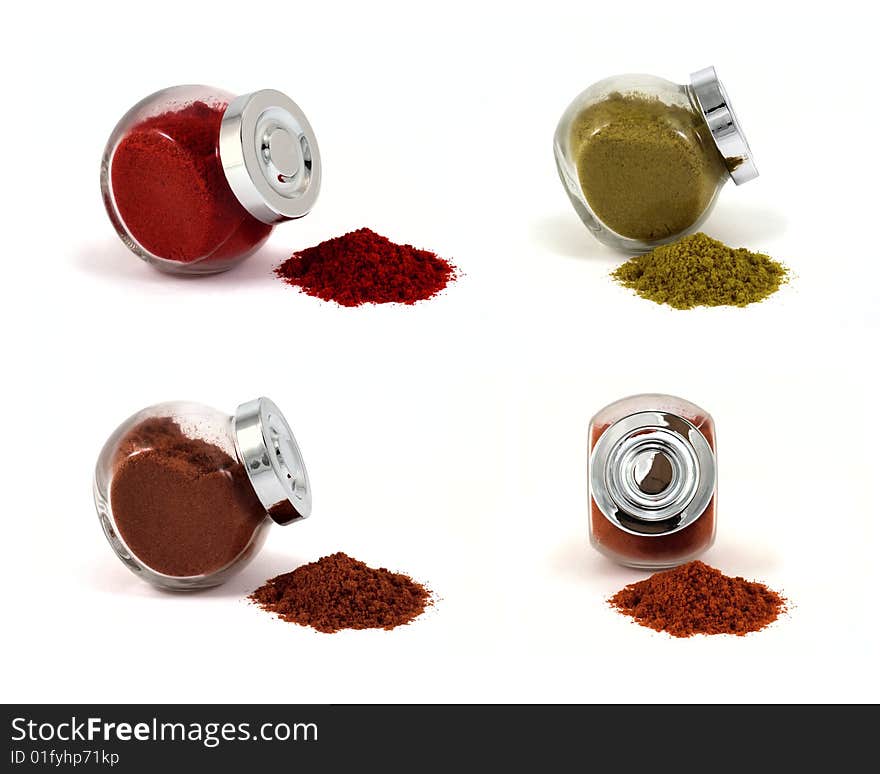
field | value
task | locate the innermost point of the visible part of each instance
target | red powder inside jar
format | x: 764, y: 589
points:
x: 183, y: 506
x: 363, y: 267
x: 698, y: 599
x: 338, y: 592
x: 672, y: 549
x: 171, y: 192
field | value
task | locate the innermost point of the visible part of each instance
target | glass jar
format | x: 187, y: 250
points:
x: 194, y: 178
x: 643, y: 159
x: 185, y: 493
x: 652, y: 481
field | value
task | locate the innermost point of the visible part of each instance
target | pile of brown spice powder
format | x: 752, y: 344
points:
x: 338, y: 592
x: 697, y: 599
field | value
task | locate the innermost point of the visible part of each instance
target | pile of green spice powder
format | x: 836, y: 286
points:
x: 700, y: 271
x: 648, y: 169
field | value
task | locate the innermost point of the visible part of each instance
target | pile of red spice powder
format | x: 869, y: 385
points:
x: 697, y: 599
x: 338, y: 592
x: 363, y: 267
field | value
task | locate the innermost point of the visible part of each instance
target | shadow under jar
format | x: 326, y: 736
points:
x: 185, y: 493
x: 652, y: 481
x: 643, y: 159
x: 194, y: 179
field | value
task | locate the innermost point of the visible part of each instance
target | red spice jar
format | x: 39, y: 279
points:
x: 185, y: 493
x: 194, y: 179
x: 652, y: 481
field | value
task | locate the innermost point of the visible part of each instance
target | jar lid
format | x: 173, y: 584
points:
x: 274, y: 463
x: 652, y: 473
x: 726, y: 130
x: 270, y: 156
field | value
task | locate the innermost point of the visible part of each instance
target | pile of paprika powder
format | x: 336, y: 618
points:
x: 363, y: 267
x: 698, y: 599
x: 338, y: 592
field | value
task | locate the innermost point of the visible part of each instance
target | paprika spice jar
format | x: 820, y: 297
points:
x: 185, y: 493
x: 643, y: 159
x: 652, y: 481
x: 194, y: 178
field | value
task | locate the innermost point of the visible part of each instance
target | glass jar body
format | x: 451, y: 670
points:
x: 174, y: 499
x: 638, y: 161
x: 165, y: 189
x: 645, y: 551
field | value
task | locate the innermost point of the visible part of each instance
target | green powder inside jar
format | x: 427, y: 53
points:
x: 700, y: 271
x: 649, y: 170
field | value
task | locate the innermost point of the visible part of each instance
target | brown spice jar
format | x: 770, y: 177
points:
x: 668, y: 550
x: 183, y: 506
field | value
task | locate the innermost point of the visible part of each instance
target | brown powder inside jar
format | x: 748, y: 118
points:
x: 698, y: 599
x: 183, y: 506
x: 675, y: 548
x: 338, y: 592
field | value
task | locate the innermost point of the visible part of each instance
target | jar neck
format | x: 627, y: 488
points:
x: 265, y: 445
x: 705, y: 132
x: 652, y: 473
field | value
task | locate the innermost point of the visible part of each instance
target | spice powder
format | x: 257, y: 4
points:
x: 183, y: 506
x: 648, y: 169
x: 171, y: 191
x: 700, y: 271
x: 698, y: 599
x: 363, y: 267
x: 338, y: 592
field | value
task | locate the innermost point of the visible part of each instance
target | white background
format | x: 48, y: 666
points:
x: 447, y: 440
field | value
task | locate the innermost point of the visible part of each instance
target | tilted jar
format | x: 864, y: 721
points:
x: 185, y: 493
x: 643, y: 159
x: 194, y: 179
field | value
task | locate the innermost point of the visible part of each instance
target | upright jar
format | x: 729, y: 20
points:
x: 185, y: 493
x: 652, y: 481
x: 194, y: 178
x: 643, y: 159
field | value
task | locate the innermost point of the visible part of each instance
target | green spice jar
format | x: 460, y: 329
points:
x: 643, y: 159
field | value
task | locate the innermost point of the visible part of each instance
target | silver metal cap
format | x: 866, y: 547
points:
x: 652, y: 473
x: 274, y: 464
x: 270, y: 156
x: 726, y: 130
